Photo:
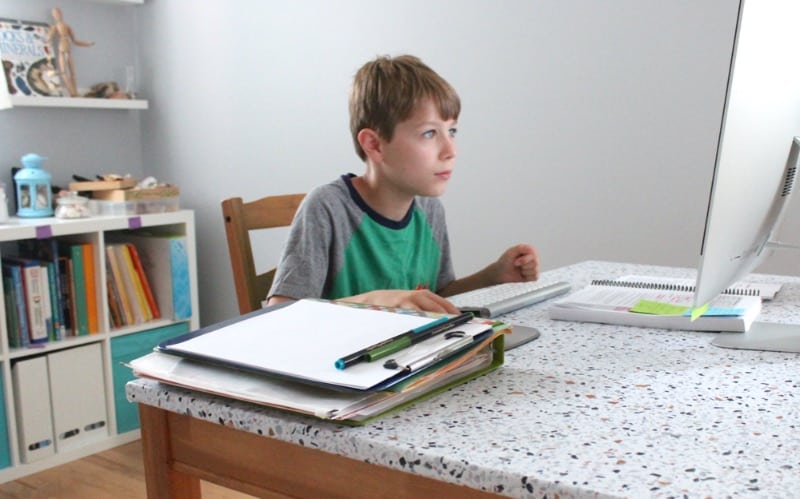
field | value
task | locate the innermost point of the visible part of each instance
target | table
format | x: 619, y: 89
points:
x: 587, y: 410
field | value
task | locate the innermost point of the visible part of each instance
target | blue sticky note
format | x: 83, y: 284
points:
x: 719, y: 312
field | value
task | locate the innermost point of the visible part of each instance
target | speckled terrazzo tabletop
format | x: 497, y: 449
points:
x: 586, y: 410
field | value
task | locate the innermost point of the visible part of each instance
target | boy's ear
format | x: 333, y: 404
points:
x: 370, y: 142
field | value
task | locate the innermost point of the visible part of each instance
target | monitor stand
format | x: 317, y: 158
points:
x: 765, y: 336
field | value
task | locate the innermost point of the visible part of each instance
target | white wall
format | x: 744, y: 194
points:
x: 82, y: 141
x: 588, y: 128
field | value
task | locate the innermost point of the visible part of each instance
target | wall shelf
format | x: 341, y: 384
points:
x: 78, y: 102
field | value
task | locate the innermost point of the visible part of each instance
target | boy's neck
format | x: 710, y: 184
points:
x: 389, y: 203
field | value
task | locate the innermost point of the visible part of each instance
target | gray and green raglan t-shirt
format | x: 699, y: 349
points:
x: 338, y: 246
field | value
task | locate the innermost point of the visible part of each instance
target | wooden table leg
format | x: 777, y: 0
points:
x: 163, y: 482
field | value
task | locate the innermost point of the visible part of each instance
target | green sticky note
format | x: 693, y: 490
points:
x: 697, y: 312
x: 658, y: 308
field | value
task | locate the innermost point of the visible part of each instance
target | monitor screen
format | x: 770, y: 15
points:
x: 757, y: 154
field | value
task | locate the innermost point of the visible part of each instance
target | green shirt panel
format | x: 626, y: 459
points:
x: 380, y: 257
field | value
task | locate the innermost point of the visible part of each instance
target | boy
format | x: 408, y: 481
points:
x: 381, y: 238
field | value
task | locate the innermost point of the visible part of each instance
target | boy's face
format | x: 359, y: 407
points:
x: 420, y: 157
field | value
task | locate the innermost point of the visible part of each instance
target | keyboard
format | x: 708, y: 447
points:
x: 499, y: 299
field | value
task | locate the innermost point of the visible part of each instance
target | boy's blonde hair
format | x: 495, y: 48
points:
x: 388, y: 90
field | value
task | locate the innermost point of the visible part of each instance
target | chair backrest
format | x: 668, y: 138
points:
x: 241, y: 218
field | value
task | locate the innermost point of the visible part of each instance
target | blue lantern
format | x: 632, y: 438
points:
x: 34, y: 197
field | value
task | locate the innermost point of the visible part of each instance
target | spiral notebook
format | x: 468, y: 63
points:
x: 658, y: 303
x: 766, y: 291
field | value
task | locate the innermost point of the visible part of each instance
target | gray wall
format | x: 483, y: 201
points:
x: 588, y: 127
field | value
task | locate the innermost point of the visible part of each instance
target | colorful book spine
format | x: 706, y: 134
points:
x: 34, y: 299
x: 12, y: 319
x: 127, y: 282
x: 114, y: 306
x: 138, y: 290
x: 55, y: 300
x: 15, y: 273
x: 75, y: 252
x: 90, y: 274
x: 119, y: 285
x: 166, y: 261
x: 67, y: 287
x: 47, y: 305
x: 46, y: 251
x: 148, y: 291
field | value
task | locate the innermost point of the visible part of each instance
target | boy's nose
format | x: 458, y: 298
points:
x: 449, y: 148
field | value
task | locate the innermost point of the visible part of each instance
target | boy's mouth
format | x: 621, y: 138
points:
x: 444, y: 175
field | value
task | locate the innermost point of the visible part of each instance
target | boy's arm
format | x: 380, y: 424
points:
x: 421, y: 299
x: 275, y: 299
x: 518, y: 263
x: 400, y: 298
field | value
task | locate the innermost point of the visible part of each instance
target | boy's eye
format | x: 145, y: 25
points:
x: 453, y: 132
x: 429, y: 134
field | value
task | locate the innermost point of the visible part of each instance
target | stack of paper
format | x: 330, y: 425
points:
x: 286, y: 357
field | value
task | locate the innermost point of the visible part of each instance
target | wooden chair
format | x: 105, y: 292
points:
x: 240, y: 219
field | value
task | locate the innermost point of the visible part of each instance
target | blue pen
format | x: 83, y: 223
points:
x: 409, y: 337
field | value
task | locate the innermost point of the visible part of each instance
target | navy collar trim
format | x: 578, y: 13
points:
x: 386, y: 222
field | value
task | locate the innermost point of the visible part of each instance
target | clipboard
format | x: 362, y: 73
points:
x: 299, y: 341
x: 349, y: 408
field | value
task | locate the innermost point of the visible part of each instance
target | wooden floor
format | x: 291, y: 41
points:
x: 116, y: 473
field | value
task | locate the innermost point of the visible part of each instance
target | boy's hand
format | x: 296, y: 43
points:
x: 517, y: 264
x: 422, y: 299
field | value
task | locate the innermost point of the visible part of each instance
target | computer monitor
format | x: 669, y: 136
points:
x: 756, y: 161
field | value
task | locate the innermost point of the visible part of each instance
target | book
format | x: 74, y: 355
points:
x: 656, y: 308
x: 90, y: 278
x: 138, y: 289
x: 33, y: 291
x: 145, y: 281
x: 67, y: 295
x: 12, y: 317
x: 128, y: 289
x: 81, y: 318
x: 47, y: 305
x: 165, y: 260
x: 46, y: 250
x: 27, y: 61
x: 14, y: 273
x: 114, y: 307
x: 115, y: 271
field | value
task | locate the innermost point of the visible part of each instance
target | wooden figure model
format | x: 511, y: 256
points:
x: 65, y: 40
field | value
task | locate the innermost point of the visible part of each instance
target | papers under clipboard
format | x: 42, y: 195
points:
x: 284, y: 358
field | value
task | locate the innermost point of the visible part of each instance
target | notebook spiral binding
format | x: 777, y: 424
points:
x: 662, y: 286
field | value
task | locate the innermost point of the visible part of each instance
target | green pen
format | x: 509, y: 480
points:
x: 407, y: 340
x: 388, y: 349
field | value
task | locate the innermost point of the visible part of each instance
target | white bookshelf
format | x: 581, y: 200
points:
x: 96, y: 230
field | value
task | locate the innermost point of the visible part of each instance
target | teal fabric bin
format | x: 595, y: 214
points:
x: 5, y: 454
x: 125, y: 349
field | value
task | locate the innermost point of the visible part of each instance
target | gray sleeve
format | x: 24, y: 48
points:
x: 304, y: 264
x: 434, y: 210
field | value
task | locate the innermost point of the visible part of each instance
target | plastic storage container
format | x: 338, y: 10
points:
x: 143, y: 206
x: 72, y: 206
